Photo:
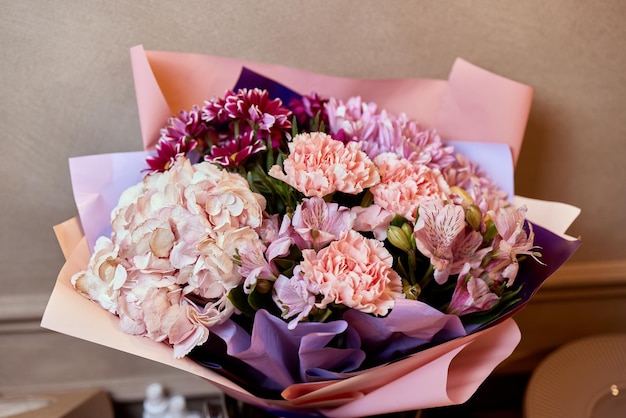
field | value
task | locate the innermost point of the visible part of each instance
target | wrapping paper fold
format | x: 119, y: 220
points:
x: 472, y: 105
x: 446, y: 374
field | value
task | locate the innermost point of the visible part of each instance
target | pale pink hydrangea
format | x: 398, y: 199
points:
x: 170, y: 263
x: 160, y: 312
x: 104, y: 276
x: 229, y: 203
x: 318, y: 165
x: 354, y: 271
x: 405, y: 185
x: 215, y: 273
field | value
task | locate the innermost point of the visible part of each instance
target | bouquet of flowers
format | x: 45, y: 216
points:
x: 307, y: 252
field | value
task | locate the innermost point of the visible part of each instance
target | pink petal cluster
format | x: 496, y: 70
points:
x: 318, y: 165
x: 380, y: 132
x: 354, y: 271
x: 483, y: 276
x: 170, y: 262
x: 404, y: 185
x: 316, y: 223
x: 442, y: 235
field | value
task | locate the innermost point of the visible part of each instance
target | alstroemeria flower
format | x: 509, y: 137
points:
x: 438, y: 226
x: 294, y: 296
x: 318, y: 165
x: 471, y: 294
x: 512, y: 240
x: 317, y: 222
x: 372, y: 219
x: 354, y: 271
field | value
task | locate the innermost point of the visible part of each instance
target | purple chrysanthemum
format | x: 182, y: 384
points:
x: 307, y: 109
x: 187, y: 126
x: 249, y: 109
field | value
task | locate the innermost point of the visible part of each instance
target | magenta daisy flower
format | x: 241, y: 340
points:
x: 166, y: 152
x: 307, y: 108
x: 188, y: 125
x: 233, y: 152
x: 250, y: 109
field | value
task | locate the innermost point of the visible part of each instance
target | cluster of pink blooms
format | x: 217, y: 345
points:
x: 196, y: 230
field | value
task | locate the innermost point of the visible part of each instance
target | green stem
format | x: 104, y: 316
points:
x: 427, y: 278
x: 412, y: 266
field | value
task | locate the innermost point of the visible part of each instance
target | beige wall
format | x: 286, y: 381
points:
x: 66, y: 90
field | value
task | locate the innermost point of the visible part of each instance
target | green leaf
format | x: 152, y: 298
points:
x: 240, y: 300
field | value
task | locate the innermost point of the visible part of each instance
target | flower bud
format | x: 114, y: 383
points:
x: 263, y: 286
x: 411, y: 292
x: 473, y: 216
x: 466, y: 198
x: 398, y: 238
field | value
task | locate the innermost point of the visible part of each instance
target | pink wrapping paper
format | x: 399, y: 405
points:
x: 472, y: 105
x: 446, y: 374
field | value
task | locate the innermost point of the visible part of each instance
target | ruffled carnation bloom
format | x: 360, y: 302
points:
x: 318, y: 165
x: 317, y: 222
x: 354, y: 271
x: 405, y: 185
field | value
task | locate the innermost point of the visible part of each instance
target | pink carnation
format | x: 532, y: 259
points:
x: 354, y: 271
x: 404, y: 185
x: 318, y: 165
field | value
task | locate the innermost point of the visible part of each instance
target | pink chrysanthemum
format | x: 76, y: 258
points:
x: 381, y: 132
